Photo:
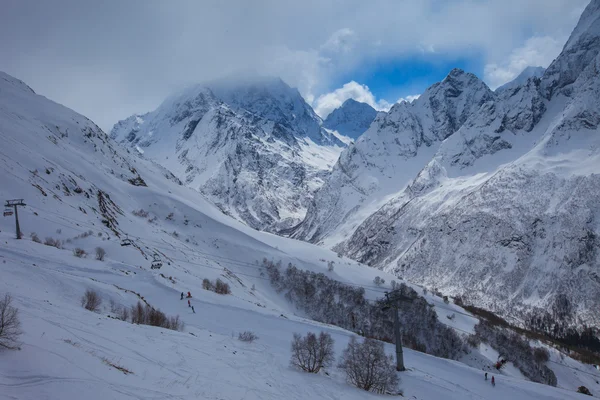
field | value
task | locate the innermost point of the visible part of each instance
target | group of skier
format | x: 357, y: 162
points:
x: 189, y: 296
x: 493, y: 379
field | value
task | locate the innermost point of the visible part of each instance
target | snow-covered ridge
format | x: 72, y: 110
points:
x: 255, y: 149
x: 523, y: 77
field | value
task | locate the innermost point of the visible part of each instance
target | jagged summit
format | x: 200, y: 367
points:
x: 581, y: 48
x: 389, y: 154
x: 352, y: 119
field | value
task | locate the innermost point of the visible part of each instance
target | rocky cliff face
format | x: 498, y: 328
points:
x: 386, y: 157
x: 352, y: 119
x: 255, y: 149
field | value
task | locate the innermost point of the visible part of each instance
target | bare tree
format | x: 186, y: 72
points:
x: 247, y: 336
x: 91, y: 300
x: 138, y: 313
x: 222, y: 287
x: 10, y: 325
x: 310, y: 353
x: 378, y: 281
x: 79, y: 252
x: 100, y: 253
x: 207, y: 284
x: 367, y: 367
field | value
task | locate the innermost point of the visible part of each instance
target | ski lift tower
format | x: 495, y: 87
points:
x: 391, y: 302
x: 7, y: 212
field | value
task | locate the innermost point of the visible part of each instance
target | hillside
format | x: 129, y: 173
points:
x: 86, y: 192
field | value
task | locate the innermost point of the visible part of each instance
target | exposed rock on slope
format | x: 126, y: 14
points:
x: 352, y: 119
x: 257, y: 150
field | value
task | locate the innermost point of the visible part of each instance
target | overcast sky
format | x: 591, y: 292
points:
x: 109, y: 59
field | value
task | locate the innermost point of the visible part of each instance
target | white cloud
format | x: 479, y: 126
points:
x: 409, y: 99
x: 328, y: 102
x: 66, y: 53
x: 537, y: 51
x: 340, y: 41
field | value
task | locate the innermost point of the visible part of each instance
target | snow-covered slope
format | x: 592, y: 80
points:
x: 352, y: 119
x: 257, y: 150
x: 506, y: 213
x: 521, y: 79
x: 388, y: 155
x: 85, y: 191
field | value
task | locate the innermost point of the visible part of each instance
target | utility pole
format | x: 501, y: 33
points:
x: 14, y: 203
x: 392, y: 300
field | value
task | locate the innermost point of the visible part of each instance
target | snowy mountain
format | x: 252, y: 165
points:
x: 352, y: 119
x: 388, y: 155
x: 521, y: 79
x: 254, y: 148
x: 503, y: 209
x: 83, y: 191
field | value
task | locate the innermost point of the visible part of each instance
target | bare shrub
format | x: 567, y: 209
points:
x: 207, y: 284
x: 10, y: 325
x: 175, y: 323
x: 311, y: 353
x: 100, y: 253
x: 35, y: 238
x: 247, y: 336
x: 138, y: 314
x: 378, y: 281
x: 123, y: 314
x: 140, y: 213
x: 473, y: 341
x: 541, y: 355
x: 146, y: 315
x: 53, y: 242
x: 91, y: 300
x: 367, y: 367
x: 222, y: 287
x: 79, y: 252
x: 446, y: 299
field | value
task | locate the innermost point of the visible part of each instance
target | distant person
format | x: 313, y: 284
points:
x: 194, y: 311
x: 181, y: 296
x: 189, y: 295
x: 189, y: 304
x: 486, y: 376
x: 493, y: 381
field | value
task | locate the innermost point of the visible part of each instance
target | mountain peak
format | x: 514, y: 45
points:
x: 580, y: 50
x: 456, y: 72
x: 351, y: 119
